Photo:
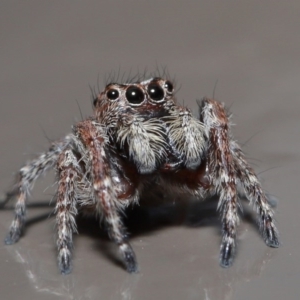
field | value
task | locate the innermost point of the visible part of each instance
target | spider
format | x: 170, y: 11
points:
x: 139, y: 138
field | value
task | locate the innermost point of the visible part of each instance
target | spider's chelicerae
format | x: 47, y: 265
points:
x: 139, y: 137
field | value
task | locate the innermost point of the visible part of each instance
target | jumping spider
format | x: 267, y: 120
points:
x: 139, y: 137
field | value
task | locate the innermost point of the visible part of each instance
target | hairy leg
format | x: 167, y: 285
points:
x: 69, y: 173
x: 222, y: 174
x: 95, y: 139
x: 256, y: 196
x: 26, y: 178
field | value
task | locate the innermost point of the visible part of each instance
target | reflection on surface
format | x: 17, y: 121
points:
x: 98, y: 273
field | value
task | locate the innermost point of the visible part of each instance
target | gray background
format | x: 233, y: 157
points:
x: 51, y: 51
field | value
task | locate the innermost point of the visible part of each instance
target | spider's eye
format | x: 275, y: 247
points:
x: 155, y: 92
x: 169, y: 86
x: 112, y: 94
x: 95, y: 101
x: 134, y: 95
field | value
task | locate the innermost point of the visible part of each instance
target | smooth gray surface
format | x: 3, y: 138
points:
x: 51, y: 51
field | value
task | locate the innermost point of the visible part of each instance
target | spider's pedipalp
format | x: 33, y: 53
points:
x: 186, y: 136
x: 146, y: 142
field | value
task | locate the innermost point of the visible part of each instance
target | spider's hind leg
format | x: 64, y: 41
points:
x: 26, y: 178
x: 256, y: 196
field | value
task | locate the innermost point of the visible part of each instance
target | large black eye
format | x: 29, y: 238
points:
x: 134, y: 95
x: 112, y: 94
x: 155, y: 91
x: 169, y: 86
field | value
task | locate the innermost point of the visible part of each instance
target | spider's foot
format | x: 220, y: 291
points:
x: 13, y: 236
x: 269, y: 232
x: 64, y: 261
x: 227, y: 252
x: 271, y: 236
x: 129, y: 258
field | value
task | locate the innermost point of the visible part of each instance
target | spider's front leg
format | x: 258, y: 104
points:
x: 228, y: 167
x: 94, y: 138
x: 222, y: 174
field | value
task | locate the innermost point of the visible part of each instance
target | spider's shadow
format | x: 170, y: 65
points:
x: 147, y: 218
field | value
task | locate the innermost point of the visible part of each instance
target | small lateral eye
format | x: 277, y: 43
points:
x: 169, y: 87
x: 155, y: 92
x: 134, y: 95
x: 112, y: 94
x: 95, y: 101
